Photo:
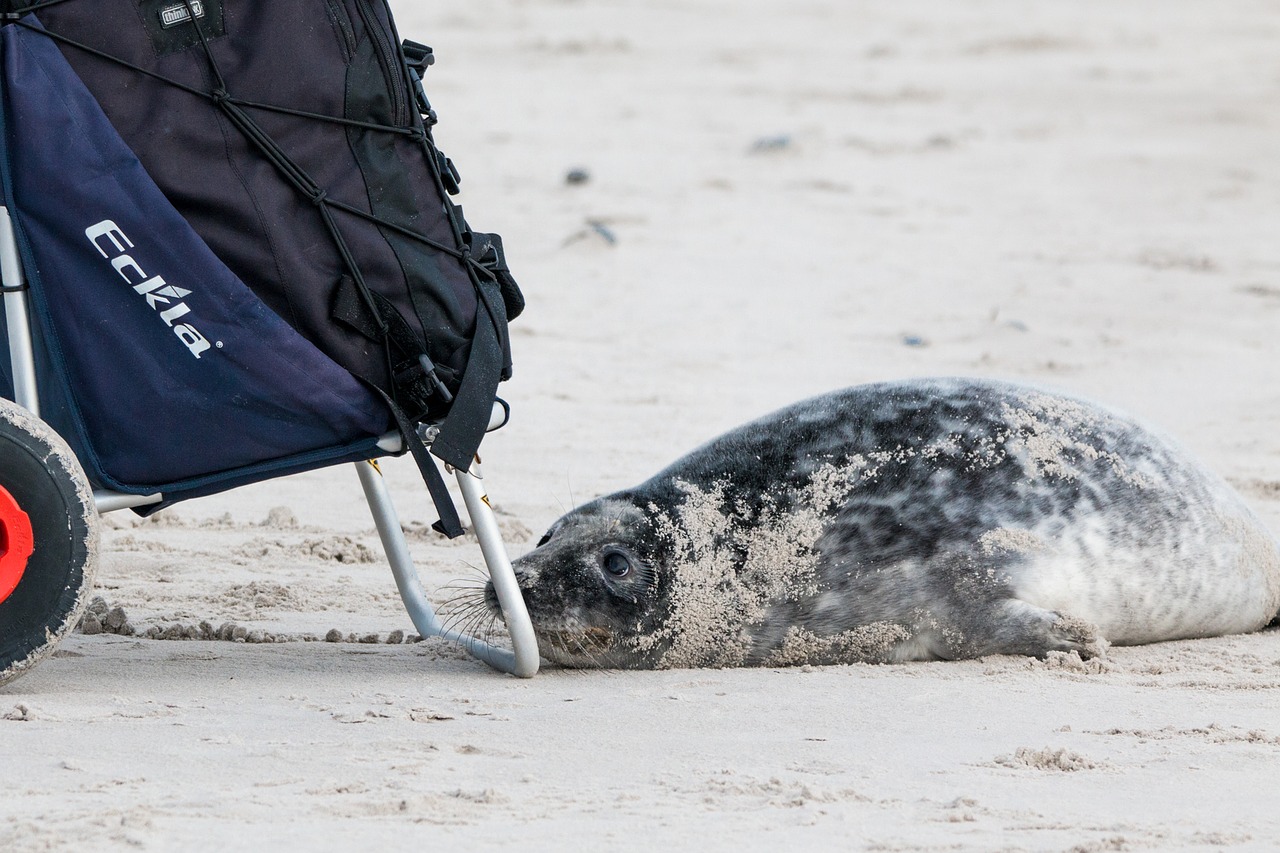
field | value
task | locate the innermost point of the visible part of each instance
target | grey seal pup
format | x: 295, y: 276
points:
x: 916, y: 520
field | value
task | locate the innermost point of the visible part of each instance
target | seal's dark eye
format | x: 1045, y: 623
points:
x: 616, y: 564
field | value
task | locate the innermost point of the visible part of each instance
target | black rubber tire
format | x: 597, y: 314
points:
x: 44, y: 478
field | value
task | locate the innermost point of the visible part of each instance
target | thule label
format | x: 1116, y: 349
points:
x: 167, y: 300
x: 175, y: 25
x: 180, y: 13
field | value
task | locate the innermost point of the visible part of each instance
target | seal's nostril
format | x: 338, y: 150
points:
x: 491, y: 599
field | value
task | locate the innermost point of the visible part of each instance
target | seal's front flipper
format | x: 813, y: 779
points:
x: 1079, y: 636
x: 1019, y: 628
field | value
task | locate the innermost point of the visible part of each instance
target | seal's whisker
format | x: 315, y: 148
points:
x: 468, y: 628
x: 471, y: 613
x: 481, y: 573
x: 453, y: 623
x: 465, y: 615
x: 456, y: 589
x: 472, y: 626
x: 461, y: 602
x: 489, y: 623
x: 466, y: 583
x: 471, y: 617
x: 457, y: 594
x: 581, y: 648
x: 574, y: 642
x: 485, y: 628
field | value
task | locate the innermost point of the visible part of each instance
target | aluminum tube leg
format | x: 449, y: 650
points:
x: 525, y: 658
x: 415, y: 600
x: 21, y: 352
x: 385, y: 518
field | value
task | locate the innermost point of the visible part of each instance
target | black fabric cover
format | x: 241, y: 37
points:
x: 338, y: 58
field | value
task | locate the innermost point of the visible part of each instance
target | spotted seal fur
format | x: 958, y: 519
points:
x: 918, y: 520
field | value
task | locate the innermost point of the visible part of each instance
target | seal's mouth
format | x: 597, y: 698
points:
x: 565, y: 641
x: 575, y: 648
x: 581, y: 642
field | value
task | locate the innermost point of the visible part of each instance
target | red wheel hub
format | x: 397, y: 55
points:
x: 16, y: 543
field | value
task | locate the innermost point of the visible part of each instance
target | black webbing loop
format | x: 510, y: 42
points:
x: 381, y: 323
x: 353, y: 270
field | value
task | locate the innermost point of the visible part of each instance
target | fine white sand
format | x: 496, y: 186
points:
x: 783, y: 198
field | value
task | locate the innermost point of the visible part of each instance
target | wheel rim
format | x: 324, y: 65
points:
x: 17, y: 543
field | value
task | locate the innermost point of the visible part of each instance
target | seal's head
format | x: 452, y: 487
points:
x: 592, y: 586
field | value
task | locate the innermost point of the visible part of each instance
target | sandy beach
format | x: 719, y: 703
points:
x: 780, y: 200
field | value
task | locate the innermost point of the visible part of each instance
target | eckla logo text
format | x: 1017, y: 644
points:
x: 165, y: 299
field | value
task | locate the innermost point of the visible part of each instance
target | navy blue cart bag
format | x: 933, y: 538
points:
x: 228, y: 253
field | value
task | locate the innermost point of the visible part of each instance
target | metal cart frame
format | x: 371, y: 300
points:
x: 521, y: 660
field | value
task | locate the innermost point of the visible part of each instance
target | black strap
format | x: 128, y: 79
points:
x: 468, y: 418
x: 449, y: 524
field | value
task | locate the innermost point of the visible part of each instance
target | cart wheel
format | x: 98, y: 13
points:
x: 48, y: 540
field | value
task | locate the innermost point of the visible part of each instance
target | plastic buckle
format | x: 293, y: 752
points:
x: 449, y: 174
x: 436, y: 385
x: 418, y: 58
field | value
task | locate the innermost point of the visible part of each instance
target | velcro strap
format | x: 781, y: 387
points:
x: 351, y: 310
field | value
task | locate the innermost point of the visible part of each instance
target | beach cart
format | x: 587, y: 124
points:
x: 229, y: 253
